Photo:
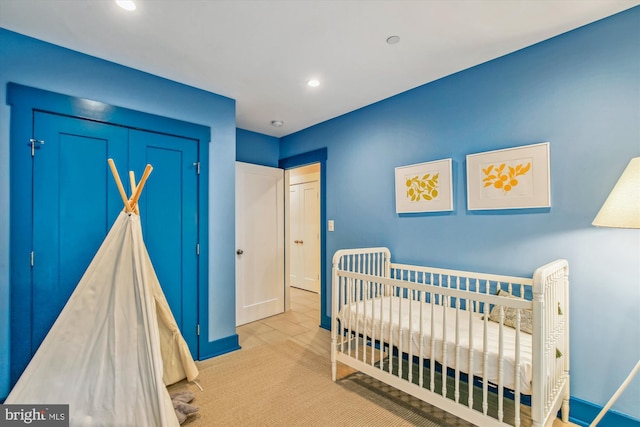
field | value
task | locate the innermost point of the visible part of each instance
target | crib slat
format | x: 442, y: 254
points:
x: 358, y: 297
x: 456, y: 390
x: 501, y: 366
x: 348, y: 301
x: 517, y: 374
x: 390, y: 349
x: 352, y: 300
x: 423, y: 301
x: 411, y: 296
x: 381, y: 364
x: 471, y: 347
x: 399, y: 331
x: 365, y: 299
x: 432, y: 347
x: 485, y: 360
x: 445, y: 341
x: 343, y: 289
x: 339, y: 334
x: 374, y: 319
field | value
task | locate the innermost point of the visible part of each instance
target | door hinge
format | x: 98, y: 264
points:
x: 32, y: 143
x: 197, y: 165
x: 198, y: 330
x: 31, y: 258
x: 197, y: 248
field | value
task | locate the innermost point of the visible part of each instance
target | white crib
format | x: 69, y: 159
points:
x: 448, y: 338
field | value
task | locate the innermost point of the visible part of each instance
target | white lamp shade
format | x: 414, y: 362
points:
x: 622, y: 207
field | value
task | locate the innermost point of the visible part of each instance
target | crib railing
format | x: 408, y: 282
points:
x: 479, y: 283
x: 373, y: 261
x: 366, y: 339
x: 551, y: 317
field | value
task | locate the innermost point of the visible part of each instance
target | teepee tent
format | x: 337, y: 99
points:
x: 115, y: 345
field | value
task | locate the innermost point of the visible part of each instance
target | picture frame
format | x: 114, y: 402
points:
x: 424, y: 187
x: 511, y: 178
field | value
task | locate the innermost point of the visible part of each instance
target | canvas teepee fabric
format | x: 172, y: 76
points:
x: 113, y: 343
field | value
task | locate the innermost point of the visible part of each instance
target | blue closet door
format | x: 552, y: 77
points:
x: 169, y: 215
x: 75, y: 201
x: 74, y: 204
x: 64, y: 201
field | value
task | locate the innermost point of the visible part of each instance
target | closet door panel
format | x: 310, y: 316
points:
x: 169, y: 215
x: 74, y: 204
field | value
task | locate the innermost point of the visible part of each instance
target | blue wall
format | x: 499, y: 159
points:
x: 33, y: 63
x: 579, y: 91
x: 257, y: 148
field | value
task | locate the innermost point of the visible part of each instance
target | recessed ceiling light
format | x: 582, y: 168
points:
x: 277, y: 123
x: 313, y: 83
x: 393, y: 40
x: 126, y: 4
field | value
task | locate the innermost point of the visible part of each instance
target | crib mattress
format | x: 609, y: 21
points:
x: 448, y: 325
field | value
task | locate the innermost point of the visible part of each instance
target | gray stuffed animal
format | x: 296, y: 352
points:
x: 181, y: 403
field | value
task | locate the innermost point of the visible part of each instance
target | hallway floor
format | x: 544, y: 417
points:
x: 299, y: 324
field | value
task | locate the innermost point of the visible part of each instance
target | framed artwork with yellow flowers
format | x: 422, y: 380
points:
x: 424, y: 187
x: 512, y: 178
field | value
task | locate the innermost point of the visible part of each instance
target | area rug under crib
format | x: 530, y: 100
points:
x: 284, y: 384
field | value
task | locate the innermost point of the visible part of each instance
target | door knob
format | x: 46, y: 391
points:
x: 239, y: 251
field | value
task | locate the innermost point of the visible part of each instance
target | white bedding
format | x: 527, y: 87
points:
x: 381, y: 310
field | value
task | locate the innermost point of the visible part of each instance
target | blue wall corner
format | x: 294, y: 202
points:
x: 257, y: 148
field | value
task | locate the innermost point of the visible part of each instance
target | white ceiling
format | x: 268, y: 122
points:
x: 262, y: 52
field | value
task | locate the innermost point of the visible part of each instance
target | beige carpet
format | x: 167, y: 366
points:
x: 285, y: 384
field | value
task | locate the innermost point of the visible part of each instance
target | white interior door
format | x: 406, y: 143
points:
x: 304, y: 242
x: 259, y: 242
x: 295, y: 251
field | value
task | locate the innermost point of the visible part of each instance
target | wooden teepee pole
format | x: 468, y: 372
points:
x: 116, y: 177
x: 132, y: 182
x: 140, y: 186
x: 134, y: 186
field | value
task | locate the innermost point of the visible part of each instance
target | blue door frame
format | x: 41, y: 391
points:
x: 317, y: 156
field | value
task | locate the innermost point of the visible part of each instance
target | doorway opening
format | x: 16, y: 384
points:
x: 303, y: 241
x: 318, y: 157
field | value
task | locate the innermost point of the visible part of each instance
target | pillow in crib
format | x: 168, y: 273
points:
x: 526, y: 316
